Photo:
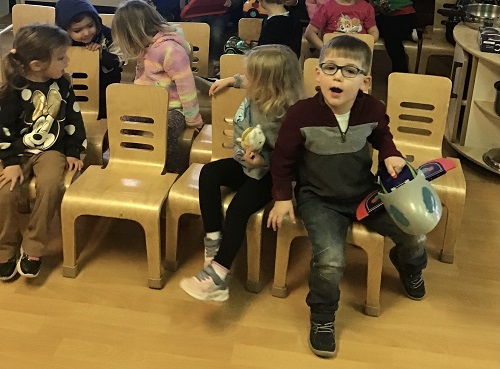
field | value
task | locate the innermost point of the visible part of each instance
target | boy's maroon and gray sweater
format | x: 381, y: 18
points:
x: 311, y: 151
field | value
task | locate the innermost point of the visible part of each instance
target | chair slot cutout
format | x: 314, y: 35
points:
x: 414, y: 105
x: 81, y: 98
x: 415, y: 118
x: 79, y: 75
x: 136, y: 119
x: 79, y: 87
x: 137, y: 146
x: 414, y: 131
x: 136, y: 132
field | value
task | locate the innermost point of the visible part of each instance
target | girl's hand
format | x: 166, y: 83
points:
x: 219, y: 85
x: 278, y: 212
x: 74, y: 163
x: 12, y: 174
x: 92, y: 46
x: 253, y: 158
x: 199, y: 127
x: 394, y: 164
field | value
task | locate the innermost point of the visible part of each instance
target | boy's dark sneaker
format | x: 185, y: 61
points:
x: 8, y: 269
x: 413, y: 283
x: 28, y: 268
x: 322, y: 338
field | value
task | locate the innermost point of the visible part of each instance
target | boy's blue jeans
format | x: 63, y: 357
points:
x: 327, y: 222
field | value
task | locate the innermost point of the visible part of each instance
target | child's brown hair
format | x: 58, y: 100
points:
x: 349, y: 47
x: 32, y: 42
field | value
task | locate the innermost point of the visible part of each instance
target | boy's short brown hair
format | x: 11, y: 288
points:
x: 350, y: 47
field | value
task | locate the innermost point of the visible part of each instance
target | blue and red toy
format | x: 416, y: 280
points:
x: 409, y: 198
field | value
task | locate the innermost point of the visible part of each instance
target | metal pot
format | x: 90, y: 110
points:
x: 475, y: 15
x: 478, y: 15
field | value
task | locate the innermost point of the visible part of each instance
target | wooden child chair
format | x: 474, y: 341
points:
x: 183, y: 196
x: 24, y: 14
x: 198, y: 36
x: 134, y: 184
x: 434, y: 40
x: 84, y: 69
x: 249, y: 28
x: 201, y: 151
x: 418, y: 117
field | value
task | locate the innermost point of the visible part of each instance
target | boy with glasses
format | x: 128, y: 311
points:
x: 323, y: 146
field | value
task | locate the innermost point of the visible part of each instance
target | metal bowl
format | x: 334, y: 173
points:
x: 492, y: 158
x: 477, y: 15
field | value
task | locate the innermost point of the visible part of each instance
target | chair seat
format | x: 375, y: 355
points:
x: 115, y: 196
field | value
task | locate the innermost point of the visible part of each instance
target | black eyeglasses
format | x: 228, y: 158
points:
x: 348, y: 71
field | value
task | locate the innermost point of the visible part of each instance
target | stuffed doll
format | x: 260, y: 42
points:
x: 252, y: 140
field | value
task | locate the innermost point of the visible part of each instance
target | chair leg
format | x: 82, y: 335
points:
x: 156, y: 272
x: 254, y: 247
x: 172, y: 230
x: 283, y: 243
x: 422, y: 65
x: 68, y: 219
x: 453, y: 222
x: 375, y: 255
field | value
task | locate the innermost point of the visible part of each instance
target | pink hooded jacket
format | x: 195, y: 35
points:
x: 166, y: 63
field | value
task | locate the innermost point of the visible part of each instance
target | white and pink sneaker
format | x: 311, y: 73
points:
x: 206, y: 285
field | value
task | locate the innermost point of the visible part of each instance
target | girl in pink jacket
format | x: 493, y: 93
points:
x: 162, y: 56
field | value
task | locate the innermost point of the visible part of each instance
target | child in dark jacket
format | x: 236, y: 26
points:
x: 82, y: 22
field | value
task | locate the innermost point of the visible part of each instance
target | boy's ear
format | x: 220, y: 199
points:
x: 37, y: 65
x: 317, y: 73
x: 367, y: 82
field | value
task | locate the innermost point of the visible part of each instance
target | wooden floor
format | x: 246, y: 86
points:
x: 108, y: 318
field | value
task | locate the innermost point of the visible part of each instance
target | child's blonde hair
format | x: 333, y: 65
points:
x: 274, y: 78
x: 32, y: 42
x: 135, y: 23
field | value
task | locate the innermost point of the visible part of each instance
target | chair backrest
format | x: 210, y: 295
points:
x: 84, y: 69
x: 231, y: 64
x: 224, y: 107
x: 107, y: 19
x: 249, y: 28
x: 436, y: 25
x: 368, y: 39
x: 418, y: 114
x: 23, y: 14
x: 309, y: 80
x: 137, y: 126
x: 198, y: 36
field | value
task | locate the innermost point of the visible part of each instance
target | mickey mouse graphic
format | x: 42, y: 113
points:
x: 43, y: 130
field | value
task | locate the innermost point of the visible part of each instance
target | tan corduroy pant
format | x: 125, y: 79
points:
x: 48, y: 168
